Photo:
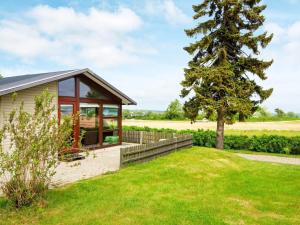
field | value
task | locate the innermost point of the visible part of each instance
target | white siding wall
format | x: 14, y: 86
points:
x: 26, y: 96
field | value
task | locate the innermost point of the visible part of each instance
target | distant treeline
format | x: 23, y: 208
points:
x: 175, y: 112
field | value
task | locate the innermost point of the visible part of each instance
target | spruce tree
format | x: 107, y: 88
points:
x: 221, y: 79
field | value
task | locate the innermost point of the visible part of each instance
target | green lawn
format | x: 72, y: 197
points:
x: 194, y: 186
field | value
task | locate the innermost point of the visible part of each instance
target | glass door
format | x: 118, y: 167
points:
x: 110, y: 125
x: 89, y: 124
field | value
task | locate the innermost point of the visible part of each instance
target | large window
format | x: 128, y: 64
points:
x: 67, y: 87
x: 87, y: 91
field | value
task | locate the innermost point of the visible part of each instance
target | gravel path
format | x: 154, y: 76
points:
x: 267, y: 158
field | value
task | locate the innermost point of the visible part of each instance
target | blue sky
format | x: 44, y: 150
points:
x: 136, y: 45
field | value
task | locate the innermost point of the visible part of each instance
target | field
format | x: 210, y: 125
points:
x: 193, y: 186
x: 288, y: 128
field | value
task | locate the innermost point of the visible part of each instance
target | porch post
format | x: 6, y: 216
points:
x: 77, y: 113
x: 120, y: 124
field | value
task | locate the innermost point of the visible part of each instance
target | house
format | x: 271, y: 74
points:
x: 99, y: 103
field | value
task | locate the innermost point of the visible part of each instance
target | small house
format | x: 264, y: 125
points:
x: 99, y: 103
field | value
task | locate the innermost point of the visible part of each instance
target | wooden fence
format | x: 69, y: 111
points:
x: 154, y: 144
x: 144, y: 137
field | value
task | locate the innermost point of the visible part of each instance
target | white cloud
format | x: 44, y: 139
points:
x: 294, y: 31
x: 63, y: 35
x: 284, y: 74
x: 153, y: 7
x: 21, y: 39
x: 284, y: 34
x: 277, y: 30
x: 154, y: 90
x: 172, y: 13
x: 58, y: 20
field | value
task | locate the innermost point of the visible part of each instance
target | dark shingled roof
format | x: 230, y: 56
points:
x: 7, y: 82
x: 17, y: 83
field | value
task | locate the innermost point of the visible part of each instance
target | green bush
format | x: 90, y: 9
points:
x: 204, y: 138
x: 35, y: 142
x: 263, y: 143
x: 237, y: 142
x: 295, y: 145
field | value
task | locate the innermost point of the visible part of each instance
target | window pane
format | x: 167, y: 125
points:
x: 89, y: 123
x: 110, y: 131
x: 110, y: 110
x: 67, y: 87
x: 87, y: 91
x: 110, y: 124
x: 66, y: 110
x: 110, y: 138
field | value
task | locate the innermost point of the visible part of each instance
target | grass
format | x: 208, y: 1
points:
x: 194, y: 186
x: 287, y: 133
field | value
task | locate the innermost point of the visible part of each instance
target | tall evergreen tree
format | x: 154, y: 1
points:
x: 221, y: 77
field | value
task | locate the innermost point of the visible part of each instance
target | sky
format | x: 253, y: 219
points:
x: 136, y: 45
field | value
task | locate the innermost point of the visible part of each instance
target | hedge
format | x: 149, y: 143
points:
x: 262, y: 143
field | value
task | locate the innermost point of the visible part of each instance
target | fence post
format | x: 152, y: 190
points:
x: 141, y: 137
x: 121, y: 156
x: 176, y: 140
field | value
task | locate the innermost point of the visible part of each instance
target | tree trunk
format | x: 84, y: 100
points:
x: 220, y: 130
x: 241, y: 117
